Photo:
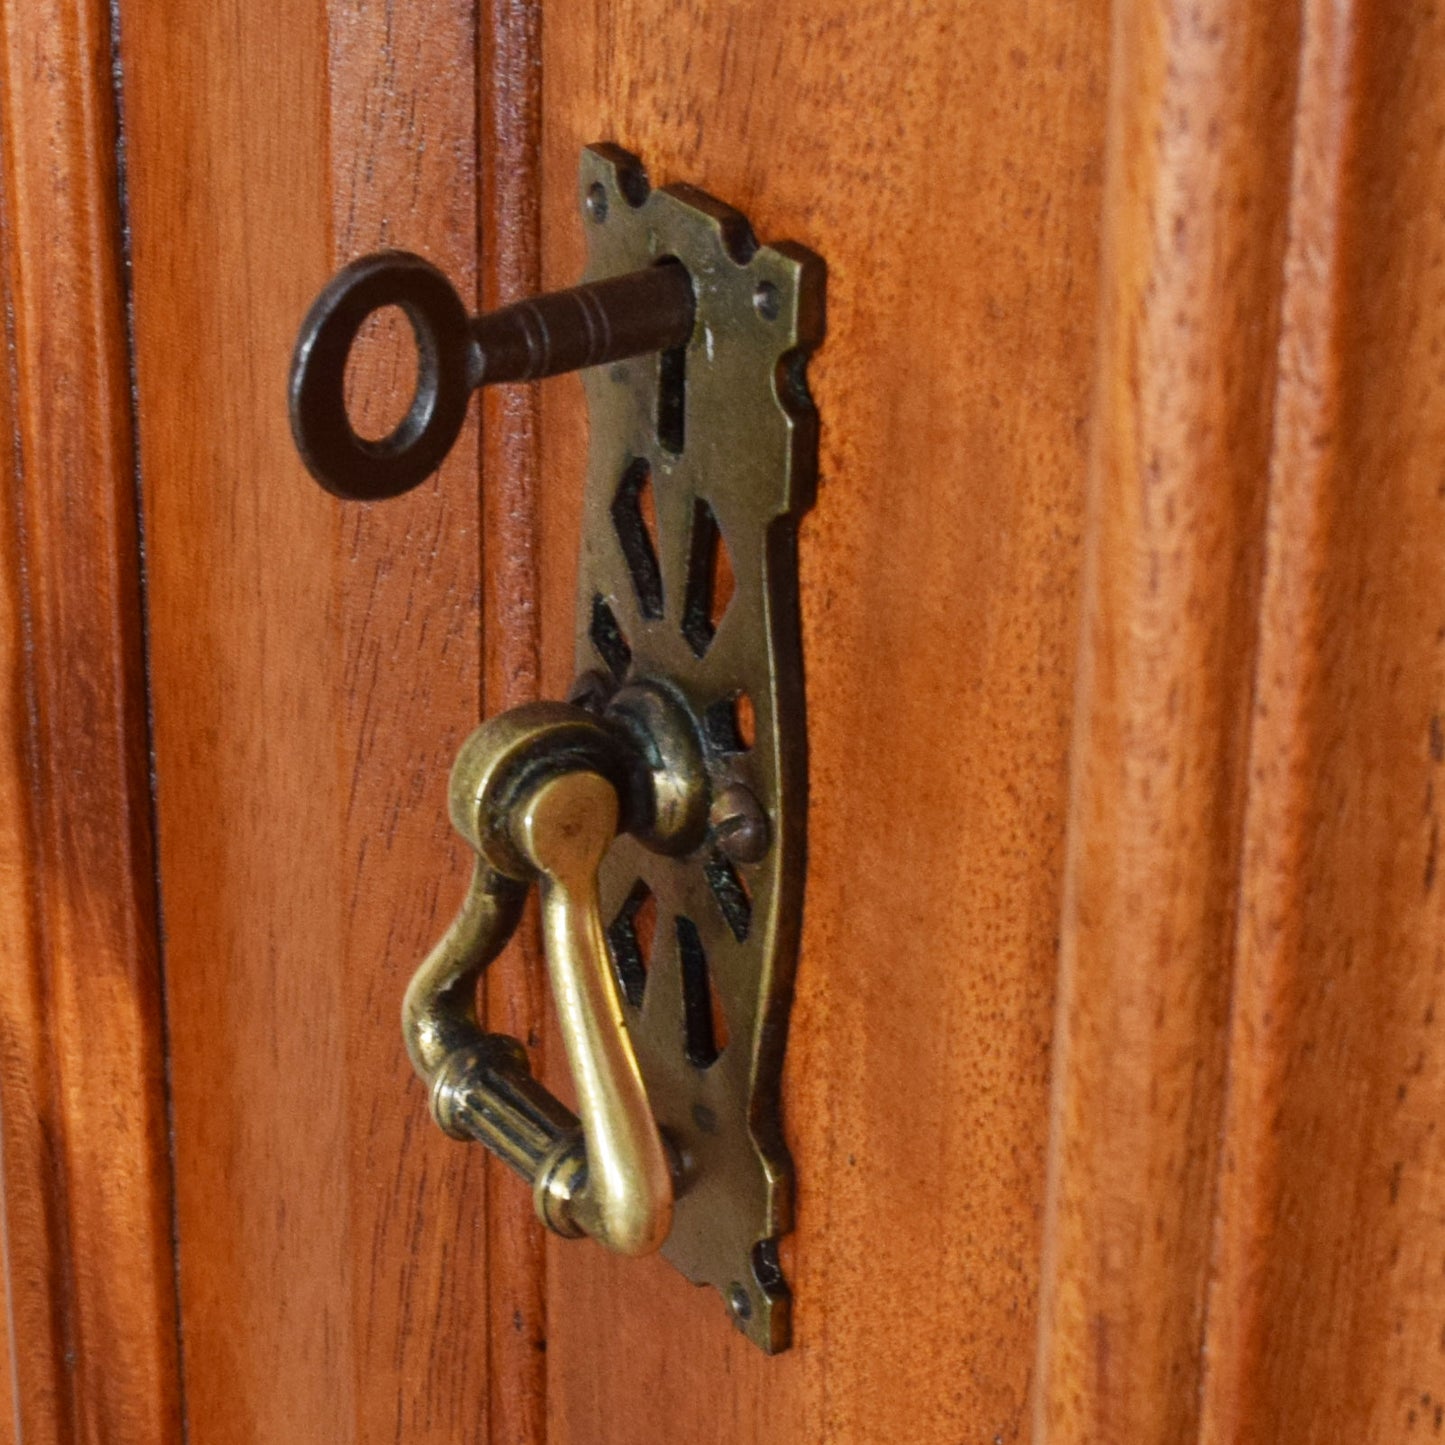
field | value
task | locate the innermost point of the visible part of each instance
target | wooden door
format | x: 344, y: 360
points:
x: 1112, y: 1082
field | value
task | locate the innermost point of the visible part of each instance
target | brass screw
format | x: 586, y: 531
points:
x: 738, y: 824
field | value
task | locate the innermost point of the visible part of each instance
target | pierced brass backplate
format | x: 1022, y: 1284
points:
x: 702, y: 461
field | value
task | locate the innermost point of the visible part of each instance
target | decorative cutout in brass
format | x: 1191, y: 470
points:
x: 729, y: 484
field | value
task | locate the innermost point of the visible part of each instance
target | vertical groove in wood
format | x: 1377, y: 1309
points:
x: 36, y: 1277
x: 315, y: 667
x: 1201, y: 105
x: 1326, y: 1317
x: 90, y: 1283
x: 515, y: 990
x: 1281, y: 819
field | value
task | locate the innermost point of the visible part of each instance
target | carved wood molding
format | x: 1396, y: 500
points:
x: 1244, y: 1230
x: 89, y: 1271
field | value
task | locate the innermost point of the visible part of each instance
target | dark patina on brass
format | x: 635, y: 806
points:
x: 684, y: 735
x: 734, y: 475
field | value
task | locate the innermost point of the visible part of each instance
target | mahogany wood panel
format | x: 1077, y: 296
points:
x: 89, y: 1280
x: 1201, y: 100
x: 515, y: 990
x: 315, y: 668
x: 1133, y: 360
x: 945, y: 161
x: 1327, y: 1316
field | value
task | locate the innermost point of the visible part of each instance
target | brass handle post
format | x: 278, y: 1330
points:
x: 564, y: 829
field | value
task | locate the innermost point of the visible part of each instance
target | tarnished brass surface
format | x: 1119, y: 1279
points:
x: 737, y: 471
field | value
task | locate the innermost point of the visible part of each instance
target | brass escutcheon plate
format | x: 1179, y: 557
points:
x: 702, y: 462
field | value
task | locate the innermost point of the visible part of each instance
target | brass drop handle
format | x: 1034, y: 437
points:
x: 539, y: 793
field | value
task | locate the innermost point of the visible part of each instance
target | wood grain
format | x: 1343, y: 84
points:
x: 89, y: 1276
x: 947, y: 167
x: 1201, y: 99
x: 315, y: 668
x: 1125, y: 629
x: 1326, y: 1319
